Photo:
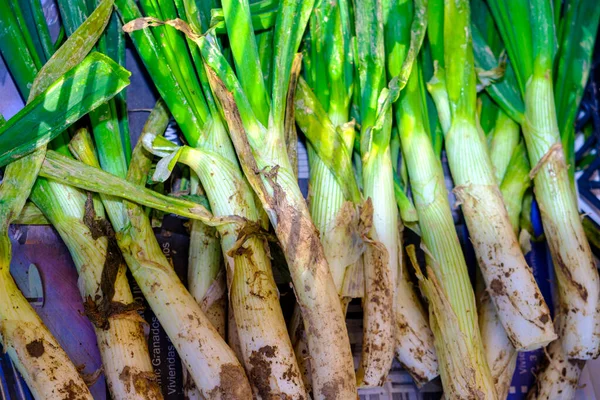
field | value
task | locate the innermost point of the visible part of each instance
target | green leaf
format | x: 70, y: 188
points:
x: 85, y: 87
x: 20, y: 62
x: 370, y: 58
x: 35, y: 22
x: 504, y: 91
x: 459, y: 60
x: 151, y: 51
x: 70, y: 54
x: 512, y: 18
x: 578, y: 35
x: 75, y: 173
x: 292, y: 20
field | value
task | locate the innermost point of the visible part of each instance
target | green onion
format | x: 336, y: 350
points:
x: 212, y: 364
x: 509, y: 280
x: 47, y: 370
x: 577, y: 275
x: 106, y: 294
x: 381, y: 259
x: 252, y: 289
x: 263, y: 148
x: 334, y: 214
x: 447, y: 285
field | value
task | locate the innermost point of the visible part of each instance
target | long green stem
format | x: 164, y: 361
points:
x: 453, y: 302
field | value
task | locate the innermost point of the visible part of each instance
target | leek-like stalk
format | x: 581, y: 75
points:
x: 261, y: 329
x: 264, y: 346
x: 577, y: 276
x: 334, y: 215
x: 504, y: 136
x: 447, y: 285
x: 37, y: 355
x: 381, y: 259
x: 499, y: 351
x: 32, y: 348
x: 510, y: 282
x: 213, y: 366
x: 330, y: 34
x: 262, y: 153
x: 575, y: 267
x: 106, y: 294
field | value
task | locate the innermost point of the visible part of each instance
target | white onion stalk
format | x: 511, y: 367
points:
x: 37, y: 355
x: 35, y: 352
x: 261, y: 329
x: 500, y: 353
x: 263, y: 156
x: 576, y: 272
x: 90, y: 240
x: 212, y: 364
